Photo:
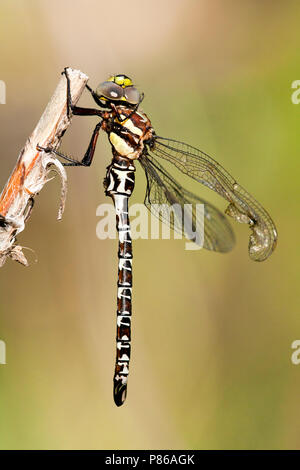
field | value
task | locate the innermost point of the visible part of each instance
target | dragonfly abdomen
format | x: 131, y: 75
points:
x: 120, y: 184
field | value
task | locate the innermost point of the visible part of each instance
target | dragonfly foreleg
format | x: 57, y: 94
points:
x: 72, y: 109
x: 88, y: 156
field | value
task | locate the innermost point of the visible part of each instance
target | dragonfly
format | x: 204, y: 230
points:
x: 132, y: 140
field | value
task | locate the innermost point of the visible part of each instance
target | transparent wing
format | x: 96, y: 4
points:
x: 213, y: 230
x: 242, y: 206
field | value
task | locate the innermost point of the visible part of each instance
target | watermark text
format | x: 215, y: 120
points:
x: 295, y: 97
x: 295, y: 357
x: 2, y: 92
x: 187, y: 221
x: 2, y: 352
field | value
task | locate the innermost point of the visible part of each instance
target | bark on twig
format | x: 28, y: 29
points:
x: 32, y: 169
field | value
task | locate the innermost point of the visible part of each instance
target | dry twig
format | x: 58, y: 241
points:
x: 32, y: 169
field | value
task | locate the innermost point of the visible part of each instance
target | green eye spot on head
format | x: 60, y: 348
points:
x: 121, y: 80
x: 127, y: 82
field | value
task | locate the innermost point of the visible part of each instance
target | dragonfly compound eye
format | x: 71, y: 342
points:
x: 132, y: 95
x: 110, y: 90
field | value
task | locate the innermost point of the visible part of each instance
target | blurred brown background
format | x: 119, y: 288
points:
x: 211, y: 357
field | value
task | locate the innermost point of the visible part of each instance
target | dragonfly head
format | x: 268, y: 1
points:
x: 118, y: 88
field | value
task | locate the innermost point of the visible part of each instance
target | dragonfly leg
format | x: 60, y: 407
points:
x: 77, y: 110
x: 88, y: 156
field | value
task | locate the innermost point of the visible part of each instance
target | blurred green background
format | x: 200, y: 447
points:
x: 211, y: 357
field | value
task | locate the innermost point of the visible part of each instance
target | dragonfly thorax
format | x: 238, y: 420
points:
x: 128, y: 131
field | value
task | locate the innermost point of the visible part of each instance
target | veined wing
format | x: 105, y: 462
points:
x: 216, y: 232
x: 242, y: 206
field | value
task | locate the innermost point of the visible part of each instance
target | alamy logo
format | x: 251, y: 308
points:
x: 2, y: 92
x: 295, y: 357
x: 2, y: 352
x: 296, y: 94
x: 189, y: 222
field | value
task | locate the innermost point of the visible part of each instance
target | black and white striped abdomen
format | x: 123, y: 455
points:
x: 119, y: 185
x: 120, y: 179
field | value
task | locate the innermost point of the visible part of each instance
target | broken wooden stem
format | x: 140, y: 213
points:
x: 32, y: 169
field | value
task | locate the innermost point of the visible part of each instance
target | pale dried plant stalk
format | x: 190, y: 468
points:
x: 32, y: 169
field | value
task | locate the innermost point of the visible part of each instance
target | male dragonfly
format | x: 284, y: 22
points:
x: 133, y: 138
